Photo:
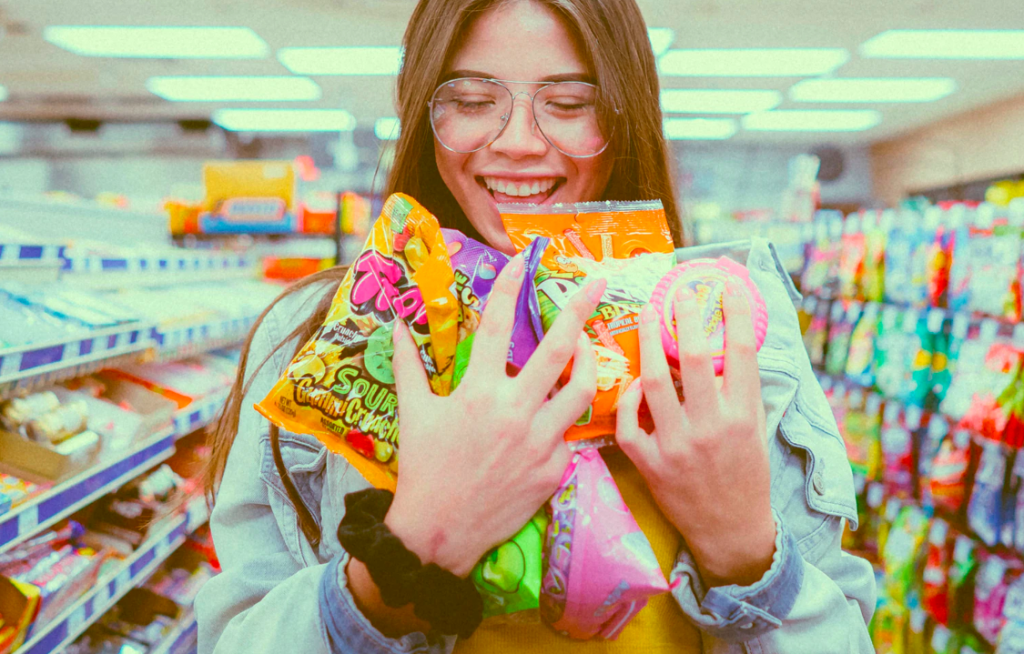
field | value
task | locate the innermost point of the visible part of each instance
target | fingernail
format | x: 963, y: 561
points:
x: 684, y: 294
x: 648, y: 314
x: 595, y: 290
x: 516, y: 267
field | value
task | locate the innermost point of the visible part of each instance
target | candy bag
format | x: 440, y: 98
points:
x: 601, y: 568
x: 985, y: 508
x: 860, y: 360
x: 947, y: 483
x: 888, y: 627
x: 990, y: 590
x: 897, y: 441
x: 862, y: 433
x: 340, y: 386
x: 853, y: 249
x: 820, y: 275
x: 946, y: 356
x: 901, y: 550
x: 935, y: 579
x: 939, y: 255
x: 508, y: 577
x: 843, y: 317
x: 872, y: 280
x: 626, y: 243
x: 816, y: 336
x: 931, y: 442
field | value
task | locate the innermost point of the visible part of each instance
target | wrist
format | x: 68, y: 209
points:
x: 742, y: 558
x: 430, y: 539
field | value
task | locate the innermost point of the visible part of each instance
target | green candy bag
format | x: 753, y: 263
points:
x: 508, y: 577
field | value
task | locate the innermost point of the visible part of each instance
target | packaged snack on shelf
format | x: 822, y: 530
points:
x: 820, y: 275
x: 816, y: 336
x: 860, y: 360
x: 990, y: 588
x: 984, y: 273
x: 17, y: 412
x: 842, y: 317
x: 994, y: 405
x: 946, y: 355
x: 15, y: 491
x: 508, y: 577
x: 971, y: 376
x: 948, y: 471
x: 888, y: 626
x: 897, y: 441
x: 906, y: 260
x: 626, y: 243
x: 939, y: 254
x: 853, y: 249
x: 985, y: 508
x: 875, y: 228
x: 935, y: 577
x: 601, y: 568
x: 862, y: 432
x: 903, y: 356
x: 902, y: 546
x: 340, y: 386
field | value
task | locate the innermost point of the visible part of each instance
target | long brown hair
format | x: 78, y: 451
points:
x: 612, y: 35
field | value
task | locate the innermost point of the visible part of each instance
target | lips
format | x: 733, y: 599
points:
x: 534, y: 190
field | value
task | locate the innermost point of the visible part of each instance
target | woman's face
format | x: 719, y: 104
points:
x: 521, y: 41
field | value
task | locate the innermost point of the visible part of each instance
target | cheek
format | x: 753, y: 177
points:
x: 592, y: 176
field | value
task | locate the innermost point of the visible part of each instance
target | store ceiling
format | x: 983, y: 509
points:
x: 45, y: 82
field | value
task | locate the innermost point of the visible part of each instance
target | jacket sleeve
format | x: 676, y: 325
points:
x: 273, y: 594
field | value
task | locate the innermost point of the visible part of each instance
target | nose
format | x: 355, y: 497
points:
x: 520, y: 138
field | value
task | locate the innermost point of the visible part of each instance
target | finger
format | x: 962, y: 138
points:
x: 569, y: 403
x: 548, y: 361
x: 741, y: 378
x: 654, y: 371
x: 638, y: 445
x: 410, y: 377
x: 492, y: 338
x: 695, y: 366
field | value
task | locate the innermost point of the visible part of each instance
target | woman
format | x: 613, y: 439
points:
x: 749, y: 527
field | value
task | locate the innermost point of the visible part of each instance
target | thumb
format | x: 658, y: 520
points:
x: 410, y: 377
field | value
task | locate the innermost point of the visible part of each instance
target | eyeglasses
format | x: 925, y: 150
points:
x: 469, y: 113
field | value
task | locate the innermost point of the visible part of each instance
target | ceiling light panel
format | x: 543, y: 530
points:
x: 946, y: 44
x: 158, y: 42
x: 699, y: 129
x: 386, y: 128
x: 872, y: 90
x: 703, y: 101
x: 285, y: 120
x: 371, y: 60
x: 765, y: 62
x: 234, y: 89
x: 812, y: 121
x: 661, y: 39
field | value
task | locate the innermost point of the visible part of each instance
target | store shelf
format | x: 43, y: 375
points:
x: 181, y: 342
x: 27, y: 367
x: 182, y: 638
x: 66, y: 498
x: 125, y: 272
x: 198, y: 414
x: 30, y: 263
x: 69, y: 625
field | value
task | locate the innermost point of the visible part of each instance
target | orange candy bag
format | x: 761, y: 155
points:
x: 626, y: 243
x: 340, y: 386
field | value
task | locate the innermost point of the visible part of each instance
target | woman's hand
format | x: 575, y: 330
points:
x: 475, y: 466
x: 707, y: 461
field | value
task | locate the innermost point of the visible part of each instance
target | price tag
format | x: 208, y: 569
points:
x: 28, y: 520
x: 76, y: 619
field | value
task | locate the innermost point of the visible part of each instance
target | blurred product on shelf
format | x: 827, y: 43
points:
x: 120, y: 522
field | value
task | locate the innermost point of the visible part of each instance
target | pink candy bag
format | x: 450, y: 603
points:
x: 600, y: 566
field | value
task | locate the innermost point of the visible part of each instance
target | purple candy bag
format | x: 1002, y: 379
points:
x: 476, y: 268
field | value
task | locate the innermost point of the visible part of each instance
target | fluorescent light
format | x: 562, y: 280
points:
x: 700, y: 101
x: 946, y: 44
x: 3, y: 93
x: 233, y: 89
x: 159, y: 42
x: 285, y: 120
x: 853, y: 120
x: 661, y: 39
x: 683, y: 129
x: 872, y: 90
x: 768, y: 62
x: 370, y: 60
x: 386, y: 128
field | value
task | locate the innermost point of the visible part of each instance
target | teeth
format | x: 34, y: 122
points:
x: 519, y: 190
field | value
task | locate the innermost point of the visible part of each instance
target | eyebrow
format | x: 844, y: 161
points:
x: 563, y: 77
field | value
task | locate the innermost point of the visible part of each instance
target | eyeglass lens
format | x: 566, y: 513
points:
x: 469, y: 114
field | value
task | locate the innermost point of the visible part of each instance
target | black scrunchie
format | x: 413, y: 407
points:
x: 449, y: 603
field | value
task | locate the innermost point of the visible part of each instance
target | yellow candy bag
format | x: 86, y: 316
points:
x: 340, y: 387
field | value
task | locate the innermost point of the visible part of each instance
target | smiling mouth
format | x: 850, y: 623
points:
x: 532, y: 191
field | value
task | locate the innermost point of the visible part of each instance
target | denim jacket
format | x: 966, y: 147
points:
x: 277, y: 593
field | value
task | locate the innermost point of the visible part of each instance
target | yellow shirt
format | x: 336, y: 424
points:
x: 659, y: 627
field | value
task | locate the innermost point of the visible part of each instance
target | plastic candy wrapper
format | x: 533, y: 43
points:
x: 935, y: 578
x: 990, y: 590
x: 860, y: 359
x: 340, y: 386
x: 985, y: 508
x: 853, y: 249
x: 897, y: 441
x: 997, y: 393
x: 939, y: 256
x: 906, y: 261
x: 708, y: 279
x: 508, y: 577
x: 888, y: 627
x: 477, y: 267
x: 862, y: 433
x: 903, y: 355
x: 947, y: 481
x: 626, y: 243
x: 821, y: 272
x: 872, y: 279
x: 601, y: 568
x: 904, y: 542
x: 842, y: 317
x: 984, y: 271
